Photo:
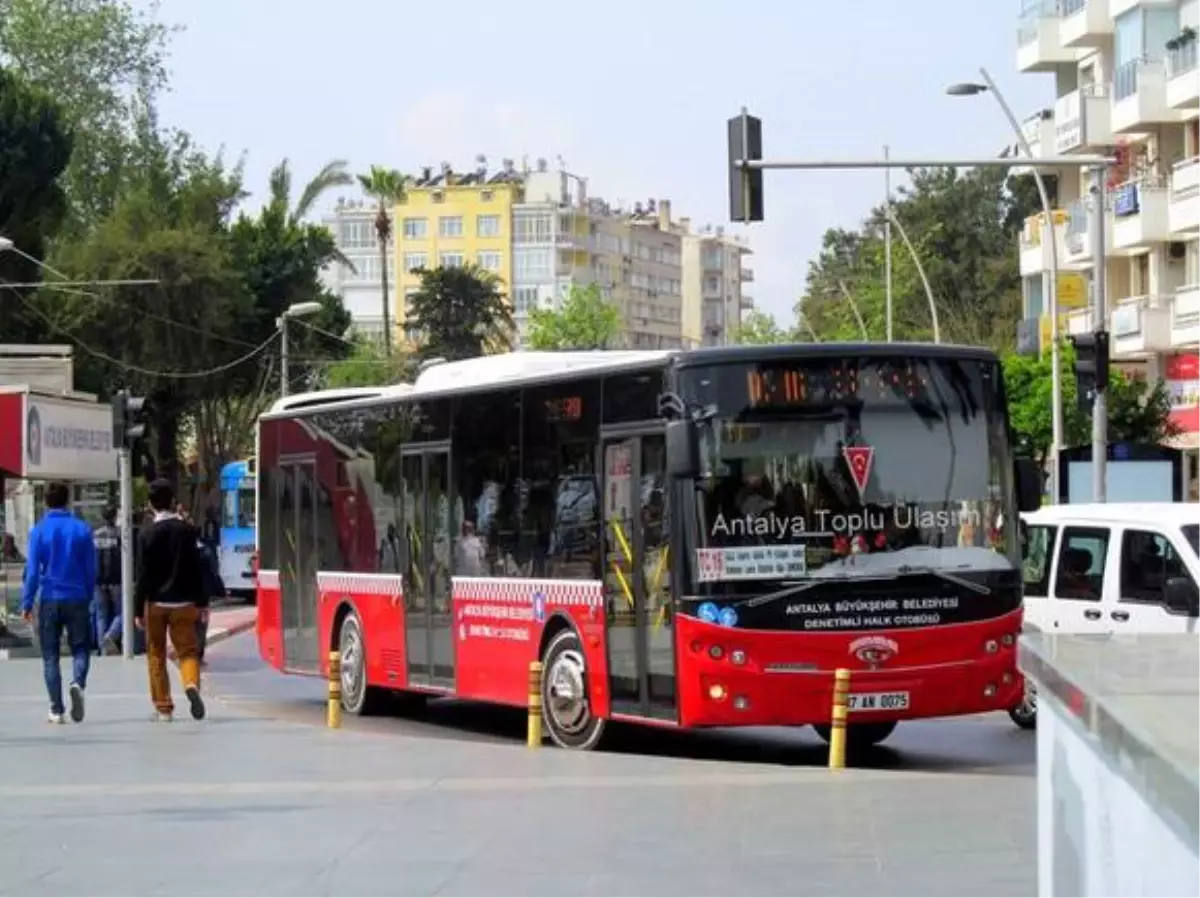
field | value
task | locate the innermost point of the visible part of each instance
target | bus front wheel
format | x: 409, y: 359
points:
x: 860, y: 735
x: 567, y: 707
x: 357, y: 696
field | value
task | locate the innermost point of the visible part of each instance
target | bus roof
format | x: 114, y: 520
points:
x: 533, y: 367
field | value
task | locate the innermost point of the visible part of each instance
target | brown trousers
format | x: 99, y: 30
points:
x: 180, y: 625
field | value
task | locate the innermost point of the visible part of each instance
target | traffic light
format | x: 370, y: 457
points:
x: 128, y: 425
x: 1091, y: 365
x: 745, y: 184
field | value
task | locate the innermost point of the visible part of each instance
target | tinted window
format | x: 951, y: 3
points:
x: 1148, y: 560
x: 562, y: 524
x: 1191, y: 533
x: 632, y: 397
x: 268, y: 474
x: 1080, y: 571
x: 1035, y: 566
x: 486, y: 485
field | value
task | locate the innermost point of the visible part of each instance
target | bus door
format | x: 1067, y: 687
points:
x: 296, y: 512
x: 637, y: 581
x: 428, y: 543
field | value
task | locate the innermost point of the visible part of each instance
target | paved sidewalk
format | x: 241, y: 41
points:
x: 243, y: 805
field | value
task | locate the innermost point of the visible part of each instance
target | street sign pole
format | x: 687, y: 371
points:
x: 125, y: 475
x: 1100, y: 328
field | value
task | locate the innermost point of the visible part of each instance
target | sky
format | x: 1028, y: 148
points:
x: 632, y: 95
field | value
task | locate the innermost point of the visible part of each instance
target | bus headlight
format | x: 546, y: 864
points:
x: 717, y: 692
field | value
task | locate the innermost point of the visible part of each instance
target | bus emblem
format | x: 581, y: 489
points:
x: 874, y: 650
x: 859, y: 460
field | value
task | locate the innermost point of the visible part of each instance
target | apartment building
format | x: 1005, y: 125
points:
x: 353, y: 226
x: 1126, y: 85
x: 539, y: 231
x: 715, y: 274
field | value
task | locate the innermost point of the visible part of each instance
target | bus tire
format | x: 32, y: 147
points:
x: 860, y: 735
x: 566, y: 705
x: 358, y: 697
x: 1024, y: 715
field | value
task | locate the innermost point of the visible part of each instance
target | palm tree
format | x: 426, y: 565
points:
x: 461, y: 313
x: 279, y: 198
x: 387, y: 187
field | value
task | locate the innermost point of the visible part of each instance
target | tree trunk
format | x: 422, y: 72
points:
x: 383, y: 285
x: 167, y: 431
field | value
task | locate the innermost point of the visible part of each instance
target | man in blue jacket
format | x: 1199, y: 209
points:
x: 61, y: 568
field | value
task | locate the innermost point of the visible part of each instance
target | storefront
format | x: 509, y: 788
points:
x: 45, y: 437
x: 1182, y: 375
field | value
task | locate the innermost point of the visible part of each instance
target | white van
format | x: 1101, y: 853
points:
x: 1124, y: 567
x: 1113, y: 568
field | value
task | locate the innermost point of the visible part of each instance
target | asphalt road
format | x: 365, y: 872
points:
x: 260, y: 799
x: 989, y: 744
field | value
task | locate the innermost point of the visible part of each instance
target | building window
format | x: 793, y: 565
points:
x: 533, y: 264
x: 489, y: 261
x: 413, y: 261
x: 525, y: 300
x: 488, y: 226
x: 450, y: 226
x: 355, y: 234
x: 450, y: 260
x: 415, y: 229
x: 532, y: 227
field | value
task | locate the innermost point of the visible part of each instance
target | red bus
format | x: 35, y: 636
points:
x: 685, y: 539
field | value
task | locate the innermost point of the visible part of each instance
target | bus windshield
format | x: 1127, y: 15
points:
x: 839, y: 468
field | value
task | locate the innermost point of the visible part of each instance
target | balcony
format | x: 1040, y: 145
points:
x: 1185, y: 317
x: 1139, y: 325
x: 1039, y: 132
x: 1139, y: 214
x: 1083, y: 119
x: 1140, y: 97
x: 746, y: 275
x: 1084, y: 23
x: 1038, y: 46
x: 1183, y: 76
x: 1183, y: 210
x: 1035, y: 251
x: 1078, y: 239
x: 1078, y: 322
x: 746, y: 303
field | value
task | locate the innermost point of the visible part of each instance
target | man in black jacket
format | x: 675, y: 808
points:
x: 170, y: 600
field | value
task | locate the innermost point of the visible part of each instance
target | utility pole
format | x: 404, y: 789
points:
x: 887, y: 238
x: 1100, y: 328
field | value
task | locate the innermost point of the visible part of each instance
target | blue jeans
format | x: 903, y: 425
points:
x: 108, y: 610
x: 75, y: 618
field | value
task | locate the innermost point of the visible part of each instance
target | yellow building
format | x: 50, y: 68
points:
x: 450, y: 218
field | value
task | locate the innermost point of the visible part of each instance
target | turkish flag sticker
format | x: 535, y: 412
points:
x: 859, y: 460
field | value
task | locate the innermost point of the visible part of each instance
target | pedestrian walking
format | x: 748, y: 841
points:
x: 169, y: 601
x: 60, y: 576
x: 108, y: 580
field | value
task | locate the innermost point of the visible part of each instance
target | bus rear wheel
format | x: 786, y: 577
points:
x: 358, y: 697
x: 859, y: 735
x: 566, y: 705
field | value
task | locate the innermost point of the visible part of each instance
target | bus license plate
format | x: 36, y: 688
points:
x: 878, y: 701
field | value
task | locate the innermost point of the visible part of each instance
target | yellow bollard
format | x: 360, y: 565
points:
x: 534, y: 733
x: 837, y: 729
x: 333, y: 718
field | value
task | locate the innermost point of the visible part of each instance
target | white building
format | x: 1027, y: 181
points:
x: 1127, y: 85
x: 353, y: 227
x: 714, y: 279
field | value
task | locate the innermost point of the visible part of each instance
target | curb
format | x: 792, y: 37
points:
x: 221, y: 635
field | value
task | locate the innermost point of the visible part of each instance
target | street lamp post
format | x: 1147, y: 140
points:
x: 295, y: 310
x: 1056, y: 412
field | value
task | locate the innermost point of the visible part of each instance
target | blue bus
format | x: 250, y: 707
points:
x: 237, y: 527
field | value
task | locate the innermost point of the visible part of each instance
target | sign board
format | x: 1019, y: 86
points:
x: 1072, y: 291
x: 65, y: 439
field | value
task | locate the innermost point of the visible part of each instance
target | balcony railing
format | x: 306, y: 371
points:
x: 1185, y: 307
x: 1070, y: 7
x: 1185, y: 177
x: 1027, y: 30
x: 1125, y: 79
x: 1183, y: 58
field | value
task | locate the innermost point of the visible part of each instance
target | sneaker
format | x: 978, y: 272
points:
x: 163, y: 717
x: 55, y: 717
x: 111, y: 648
x: 77, y: 705
x: 196, y: 702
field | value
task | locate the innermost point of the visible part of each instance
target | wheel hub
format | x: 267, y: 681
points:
x: 567, y: 700
x: 351, y: 661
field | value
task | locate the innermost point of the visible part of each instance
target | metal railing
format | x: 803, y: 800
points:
x: 1070, y: 7
x: 1183, y: 58
x: 1189, y: 317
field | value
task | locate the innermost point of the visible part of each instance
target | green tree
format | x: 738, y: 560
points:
x: 461, y: 313
x: 367, y: 366
x: 964, y: 230
x: 35, y: 149
x: 585, y: 320
x: 387, y: 187
x: 761, y: 328
x: 1138, y: 411
x: 105, y: 63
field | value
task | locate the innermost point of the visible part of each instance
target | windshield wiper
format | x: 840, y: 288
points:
x: 943, y: 575
x: 798, y: 586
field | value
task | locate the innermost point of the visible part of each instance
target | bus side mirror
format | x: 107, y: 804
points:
x: 683, y: 450
x: 1028, y: 479
x: 1182, y: 596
